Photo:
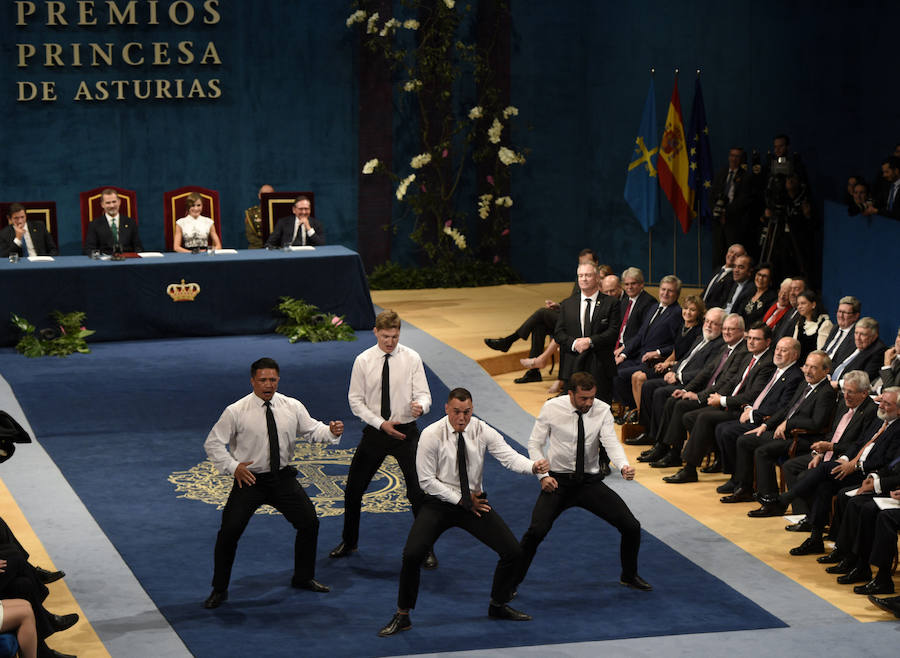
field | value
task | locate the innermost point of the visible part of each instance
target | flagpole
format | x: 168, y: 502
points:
x: 650, y: 230
x: 674, y: 223
x: 699, y: 224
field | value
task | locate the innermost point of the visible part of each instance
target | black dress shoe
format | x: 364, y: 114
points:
x: 430, y: 561
x: 803, y: 525
x: 810, y: 546
x: 888, y: 605
x: 875, y: 586
x: 833, y: 557
x: 341, y: 550
x: 46, y: 652
x: 397, y: 623
x: 855, y: 575
x: 740, y: 495
x: 726, y: 488
x: 312, y: 585
x: 682, y: 476
x: 656, y: 452
x: 636, y: 582
x: 62, y: 622
x: 47, y: 577
x: 768, y: 509
x: 642, y: 439
x: 533, y: 375
x: 845, y: 566
x: 505, y: 612
x: 715, y: 467
x: 499, y: 344
x: 669, y: 461
x: 604, y: 471
x: 216, y: 599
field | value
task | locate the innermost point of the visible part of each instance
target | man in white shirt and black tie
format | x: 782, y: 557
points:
x: 570, y: 428
x: 388, y: 391
x: 450, y: 463
x: 253, y: 441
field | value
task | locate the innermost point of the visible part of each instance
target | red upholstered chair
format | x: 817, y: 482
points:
x: 275, y: 205
x: 44, y: 211
x: 174, y: 208
x: 91, y: 208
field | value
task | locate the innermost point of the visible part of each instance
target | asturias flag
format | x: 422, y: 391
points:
x: 673, y: 163
x: 700, y: 156
x: 641, y: 189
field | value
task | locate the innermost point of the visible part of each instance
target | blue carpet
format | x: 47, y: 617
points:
x: 121, y: 421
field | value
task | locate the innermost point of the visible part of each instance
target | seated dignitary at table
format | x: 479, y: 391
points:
x: 450, y: 463
x: 253, y: 441
x: 253, y: 220
x: 112, y: 231
x: 23, y: 237
x: 388, y: 391
x: 299, y: 230
x: 194, y: 231
x: 758, y: 398
x: 855, y: 411
x: 569, y: 429
x: 868, y: 354
x: 876, y: 449
x: 811, y: 408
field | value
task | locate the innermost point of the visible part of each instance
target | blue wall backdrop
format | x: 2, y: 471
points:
x: 821, y: 71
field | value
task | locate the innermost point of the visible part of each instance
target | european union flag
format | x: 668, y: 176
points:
x: 641, y: 183
x: 700, y: 156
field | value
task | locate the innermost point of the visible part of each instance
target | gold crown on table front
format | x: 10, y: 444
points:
x: 183, y: 292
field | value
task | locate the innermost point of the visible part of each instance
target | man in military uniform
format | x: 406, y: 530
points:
x: 253, y: 220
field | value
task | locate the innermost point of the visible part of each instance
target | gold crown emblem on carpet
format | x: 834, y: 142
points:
x: 183, y: 292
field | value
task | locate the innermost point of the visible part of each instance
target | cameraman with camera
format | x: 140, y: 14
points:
x: 735, y: 198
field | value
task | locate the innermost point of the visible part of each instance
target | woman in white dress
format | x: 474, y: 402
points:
x: 194, y: 231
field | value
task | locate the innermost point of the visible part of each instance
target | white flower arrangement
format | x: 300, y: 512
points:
x: 389, y: 26
x: 504, y: 201
x: 420, y: 160
x: 357, y: 16
x: 412, y: 85
x: 484, y: 205
x: 450, y: 3
x: 508, y: 156
x: 476, y: 112
x: 510, y: 111
x: 371, y: 28
x: 401, y: 189
x: 457, y: 237
x: 411, y: 24
x: 494, y: 132
x: 370, y: 166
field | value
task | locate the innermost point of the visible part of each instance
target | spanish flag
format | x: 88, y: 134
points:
x: 673, y: 164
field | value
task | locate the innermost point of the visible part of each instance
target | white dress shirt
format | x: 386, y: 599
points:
x: 243, y: 429
x: 556, y: 429
x: 408, y: 384
x: 436, y: 462
x: 300, y: 230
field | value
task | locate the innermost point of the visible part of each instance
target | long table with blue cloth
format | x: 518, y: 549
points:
x: 135, y: 298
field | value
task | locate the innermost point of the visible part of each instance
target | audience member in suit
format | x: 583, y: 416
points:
x: 723, y: 366
x: 654, y: 341
x: 785, y: 326
x: 634, y: 307
x: 733, y: 195
x: 868, y: 355
x: 23, y: 237
x: 112, y: 231
x: 876, y: 449
x: 860, y: 201
x: 692, y: 313
x: 743, y: 269
x: 811, y: 409
x: 655, y: 392
x: 855, y: 411
x: 782, y: 306
x: 756, y: 299
x: 758, y: 398
x: 888, y: 205
x: 840, y: 344
x: 720, y: 282
x: 299, y: 230
x: 812, y: 327
x: 890, y: 371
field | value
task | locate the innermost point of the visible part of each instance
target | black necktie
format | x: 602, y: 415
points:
x: 274, y: 459
x: 579, y: 451
x: 586, y: 324
x: 386, y: 389
x: 463, y: 471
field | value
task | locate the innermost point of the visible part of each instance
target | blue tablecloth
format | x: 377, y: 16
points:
x: 127, y: 299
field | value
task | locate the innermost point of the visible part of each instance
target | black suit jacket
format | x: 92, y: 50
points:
x: 779, y: 395
x: 598, y: 360
x: 657, y: 336
x: 698, y: 362
x: 813, y: 415
x: 846, y: 348
x: 890, y: 376
x: 756, y: 381
x: 885, y: 449
x: 714, y: 292
x: 644, y: 302
x: 99, y: 235
x: 42, y: 240
x: 785, y: 326
x: 868, y: 360
x: 703, y: 380
x: 284, y: 232
x: 861, y: 419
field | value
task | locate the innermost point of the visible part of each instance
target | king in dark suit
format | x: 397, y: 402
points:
x: 13, y: 237
x: 300, y: 229
x: 112, y: 231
